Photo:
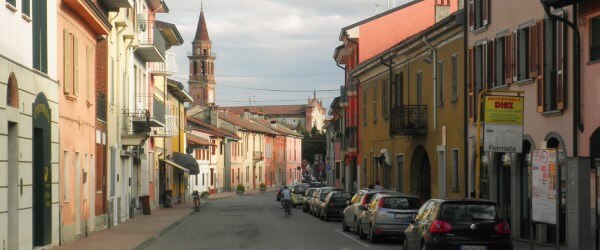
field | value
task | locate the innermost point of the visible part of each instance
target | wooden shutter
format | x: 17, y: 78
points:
x: 67, y: 64
x: 491, y: 65
x: 533, y: 51
x: 471, y: 84
x: 560, y: 59
x: 486, y: 12
x: 471, y: 15
x: 75, y: 66
x: 540, y: 53
x: 508, y: 64
x: 88, y: 73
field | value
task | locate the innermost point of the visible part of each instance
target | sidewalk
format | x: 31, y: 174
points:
x: 135, y: 233
x: 522, y: 245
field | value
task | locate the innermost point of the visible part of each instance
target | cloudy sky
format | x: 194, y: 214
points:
x: 270, y: 44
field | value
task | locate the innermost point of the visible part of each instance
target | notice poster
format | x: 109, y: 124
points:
x: 544, y: 185
x: 503, y: 124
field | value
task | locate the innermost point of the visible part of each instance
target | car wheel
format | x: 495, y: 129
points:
x: 344, y: 227
x: 405, y: 245
x: 373, y: 239
x: 361, y: 234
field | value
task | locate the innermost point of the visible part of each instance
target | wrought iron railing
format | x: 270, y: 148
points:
x: 169, y: 130
x: 168, y: 67
x: 409, y: 120
x: 136, y: 122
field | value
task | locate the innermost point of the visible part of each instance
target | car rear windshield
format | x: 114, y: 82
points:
x: 299, y: 189
x: 401, y: 202
x: 369, y: 197
x: 324, y: 192
x: 340, y: 198
x: 468, y: 212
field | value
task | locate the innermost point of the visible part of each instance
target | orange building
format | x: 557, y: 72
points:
x: 81, y: 24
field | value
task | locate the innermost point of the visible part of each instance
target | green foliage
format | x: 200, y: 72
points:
x: 241, y: 188
x: 313, y: 142
x: 204, y: 194
x: 263, y: 186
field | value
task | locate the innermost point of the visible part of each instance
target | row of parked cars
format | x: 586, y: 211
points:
x: 467, y: 224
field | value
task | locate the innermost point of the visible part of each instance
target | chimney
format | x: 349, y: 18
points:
x: 246, y: 115
x: 442, y: 9
x: 214, y: 115
x: 273, y: 123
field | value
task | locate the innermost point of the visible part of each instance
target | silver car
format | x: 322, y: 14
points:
x: 388, y: 215
x: 351, y: 213
x: 318, y: 198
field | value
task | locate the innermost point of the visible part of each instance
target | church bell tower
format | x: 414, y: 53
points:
x: 202, y: 66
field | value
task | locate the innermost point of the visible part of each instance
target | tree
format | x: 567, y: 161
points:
x: 313, y: 142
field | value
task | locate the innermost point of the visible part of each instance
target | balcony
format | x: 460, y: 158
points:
x: 117, y: 3
x: 351, y: 139
x: 352, y: 89
x: 257, y: 156
x: 165, y: 68
x: 152, y: 44
x: 409, y: 120
x: 157, y: 117
x: 136, y: 126
x: 169, y: 130
x: 343, y: 97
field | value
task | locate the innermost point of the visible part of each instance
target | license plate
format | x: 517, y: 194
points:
x: 473, y: 248
x: 401, y: 216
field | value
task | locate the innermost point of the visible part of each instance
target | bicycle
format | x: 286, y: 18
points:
x: 287, y: 208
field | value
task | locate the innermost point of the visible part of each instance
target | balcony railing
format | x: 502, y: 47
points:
x: 409, y: 120
x: 352, y: 89
x: 351, y: 139
x: 169, y: 130
x: 257, y: 155
x: 136, y: 122
x: 158, y: 112
x: 166, y: 68
x: 152, y: 44
x: 343, y: 97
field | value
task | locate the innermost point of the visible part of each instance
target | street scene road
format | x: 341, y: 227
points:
x: 257, y: 222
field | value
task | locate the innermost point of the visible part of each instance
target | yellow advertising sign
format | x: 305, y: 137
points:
x: 504, y: 110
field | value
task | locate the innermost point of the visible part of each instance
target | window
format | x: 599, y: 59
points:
x: 499, y: 65
x: 40, y: 36
x: 12, y: 92
x: 25, y: 8
x: 479, y: 14
x: 12, y: 2
x: 480, y: 73
x: 455, y: 187
x: 595, y: 39
x: 213, y: 147
x: 66, y: 176
x: 399, y: 89
x: 440, y: 84
x: 202, y: 179
x: 375, y: 102
x: 522, y: 54
x: 385, y: 93
x: 419, y: 88
x: 364, y: 104
x: 454, y: 84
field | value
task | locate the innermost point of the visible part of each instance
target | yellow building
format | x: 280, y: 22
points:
x: 412, y: 106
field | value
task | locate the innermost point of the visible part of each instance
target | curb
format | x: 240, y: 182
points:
x: 147, y: 242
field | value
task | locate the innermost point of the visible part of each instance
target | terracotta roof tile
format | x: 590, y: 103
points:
x: 249, y: 125
x: 270, y: 110
x: 205, y: 127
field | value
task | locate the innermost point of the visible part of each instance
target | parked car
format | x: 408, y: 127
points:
x: 317, y: 184
x: 351, y: 213
x: 458, y: 224
x: 298, y: 194
x: 308, y: 195
x: 320, y: 198
x: 334, y: 204
x: 388, y: 215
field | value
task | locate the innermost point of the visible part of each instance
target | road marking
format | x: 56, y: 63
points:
x: 352, y: 238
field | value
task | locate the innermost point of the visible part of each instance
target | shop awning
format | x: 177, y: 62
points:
x: 186, y: 161
x: 175, y: 165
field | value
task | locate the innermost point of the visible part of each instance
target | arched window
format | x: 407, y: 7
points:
x: 12, y: 93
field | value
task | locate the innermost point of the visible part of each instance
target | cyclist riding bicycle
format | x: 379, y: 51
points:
x: 287, y: 197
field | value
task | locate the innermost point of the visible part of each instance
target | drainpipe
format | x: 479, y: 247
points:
x: 389, y: 104
x: 434, y: 62
x: 577, y: 123
x: 465, y: 106
x: 338, y: 64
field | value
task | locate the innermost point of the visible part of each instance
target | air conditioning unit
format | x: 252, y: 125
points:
x: 142, y: 25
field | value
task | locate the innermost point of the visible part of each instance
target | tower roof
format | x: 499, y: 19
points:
x: 201, y: 30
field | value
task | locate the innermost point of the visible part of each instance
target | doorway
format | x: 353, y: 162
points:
x: 12, y: 201
x: 503, y: 184
x: 420, y: 174
x: 41, y: 174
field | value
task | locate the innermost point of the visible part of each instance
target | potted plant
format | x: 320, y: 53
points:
x: 263, y: 187
x: 240, y: 189
x: 204, y: 194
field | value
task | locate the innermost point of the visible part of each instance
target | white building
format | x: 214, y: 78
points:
x: 29, y: 179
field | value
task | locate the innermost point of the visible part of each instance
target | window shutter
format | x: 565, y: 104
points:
x: 484, y: 65
x: 508, y: 65
x: 491, y: 64
x: 515, y: 56
x: 486, y: 12
x: 560, y: 60
x: 88, y: 73
x: 540, y: 54
x: 75, y: 66
x: 471, y: 15
x: 471, y: 83
x: 67, y: 83
x: 533, y: 51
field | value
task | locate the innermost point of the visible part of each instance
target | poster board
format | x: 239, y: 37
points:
x: 544, y: 185
x: 503, y: 124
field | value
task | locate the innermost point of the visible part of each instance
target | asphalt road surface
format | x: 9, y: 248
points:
x: 257, y: 222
